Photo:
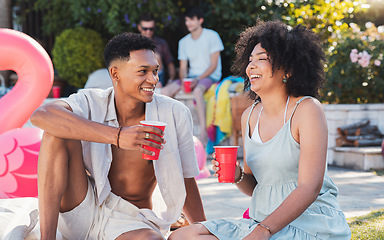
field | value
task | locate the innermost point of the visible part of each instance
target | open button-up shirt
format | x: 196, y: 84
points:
x: 176, y: 161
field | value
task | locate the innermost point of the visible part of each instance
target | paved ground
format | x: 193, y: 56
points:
x: 359, y: 193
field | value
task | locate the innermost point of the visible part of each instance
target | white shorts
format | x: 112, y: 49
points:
x: 114, y: 217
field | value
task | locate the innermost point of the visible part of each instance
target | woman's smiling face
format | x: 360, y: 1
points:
x: 259, y: 70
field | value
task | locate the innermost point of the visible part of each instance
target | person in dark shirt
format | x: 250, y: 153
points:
x: 147, y: 28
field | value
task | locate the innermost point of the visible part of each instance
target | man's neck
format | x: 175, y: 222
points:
x: 128, y: 111
x: 197, y: 33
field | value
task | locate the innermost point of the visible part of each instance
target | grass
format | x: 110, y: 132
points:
x: 379, y: 172
x: 368, y: 227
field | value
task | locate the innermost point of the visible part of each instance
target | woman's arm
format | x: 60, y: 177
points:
x: 309, y: 128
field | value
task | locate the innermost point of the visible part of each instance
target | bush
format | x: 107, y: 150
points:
x: 354, y: 70
x: 77, y: 52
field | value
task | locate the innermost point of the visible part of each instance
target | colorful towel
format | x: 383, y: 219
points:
x: 219, y: 108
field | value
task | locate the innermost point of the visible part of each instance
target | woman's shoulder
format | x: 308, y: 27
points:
x: 255, y: 107
x: 307, y: 103
x: 308, y: 109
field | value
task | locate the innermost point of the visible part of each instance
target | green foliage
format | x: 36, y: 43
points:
x: 351, y: 82
x: 347, y: 82
x: 109, y: 17
x: 230, y: 17
x: 323, y: 17
x: 57, y: 15
x: 370, y: 226
x: 76, y: 53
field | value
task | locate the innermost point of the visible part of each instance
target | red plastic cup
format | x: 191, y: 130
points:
x: 56, y: 91
x: 187, y: 85
x: 226, y: 156
x: 159, y: 125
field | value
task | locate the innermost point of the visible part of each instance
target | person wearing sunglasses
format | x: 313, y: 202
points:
x: 146, y: 27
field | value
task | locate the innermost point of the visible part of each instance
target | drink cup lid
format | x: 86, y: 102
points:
x: 153, y: 123
x: 226, y: 146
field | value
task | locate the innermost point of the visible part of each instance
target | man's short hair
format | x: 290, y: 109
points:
x: 120, y: 46
x: 147, y: 17
x: 194, y: 12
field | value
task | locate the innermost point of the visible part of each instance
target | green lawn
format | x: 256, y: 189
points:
x: 379, y: 172
x: 369, y: 227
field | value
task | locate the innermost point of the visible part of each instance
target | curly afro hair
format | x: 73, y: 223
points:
x: 298, y: 51
x: 120, y: 46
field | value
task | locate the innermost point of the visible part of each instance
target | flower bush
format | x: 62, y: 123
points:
x: 354, y: 70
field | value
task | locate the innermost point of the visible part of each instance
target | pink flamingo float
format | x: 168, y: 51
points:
x: 19, y: 147
x: 201, y: 159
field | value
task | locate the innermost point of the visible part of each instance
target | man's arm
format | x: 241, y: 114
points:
x: 171, y: 71
x: 58, y: 119
x: 214, y: 59
x: 183, y: 69
x: 193, y: 207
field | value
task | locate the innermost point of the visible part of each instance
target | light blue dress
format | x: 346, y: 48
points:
x: 275, y: 166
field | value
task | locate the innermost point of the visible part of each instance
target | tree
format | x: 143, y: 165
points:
x: 5, y: 13
x: 5, y: 22
x: 326, y: 18
x: 227, y: 17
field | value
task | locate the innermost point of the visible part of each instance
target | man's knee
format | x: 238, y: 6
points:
x: 170, y: 89
x: 50, y: 139
x: 56, y: 147
x: 199, y: 91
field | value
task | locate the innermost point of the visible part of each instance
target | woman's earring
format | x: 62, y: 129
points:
x: 117, y: 82
x: 284, y: 80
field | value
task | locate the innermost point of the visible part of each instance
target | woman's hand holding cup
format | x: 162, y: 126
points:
x: 225, y: 165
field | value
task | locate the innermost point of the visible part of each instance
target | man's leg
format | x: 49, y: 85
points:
x: 198, y: 93
x: 141, y: 234
x: 171, y: 89
x: 62, y: 181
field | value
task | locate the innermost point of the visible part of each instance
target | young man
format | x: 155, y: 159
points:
x: 146, y: 27
x: 93, y: 182
x: 201, y: 50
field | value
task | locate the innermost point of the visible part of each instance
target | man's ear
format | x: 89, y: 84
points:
x: 114, y: 73
x: 201, y: 20
x: 139, y: 27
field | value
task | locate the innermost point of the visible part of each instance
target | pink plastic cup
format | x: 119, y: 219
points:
x: 159, y: 125
x: 56, y: 91
x: 226, y: 156
x: 187, y: 84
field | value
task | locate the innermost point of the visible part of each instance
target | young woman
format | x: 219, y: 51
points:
x: 285, y: 143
